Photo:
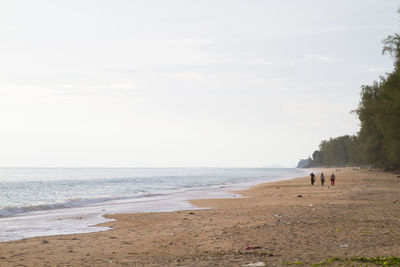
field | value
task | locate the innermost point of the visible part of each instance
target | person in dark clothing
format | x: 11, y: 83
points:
x: 312, y: 178
x: 322, y: 178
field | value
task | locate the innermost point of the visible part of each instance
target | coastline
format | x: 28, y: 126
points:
x: 356, y: 217
x: 72, y: 216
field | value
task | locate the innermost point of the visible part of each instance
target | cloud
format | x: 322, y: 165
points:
x: 185, y: 76
x: 324, y: 59
x: 376, y: 69
x: 90, y: 89
x: 263, y: 62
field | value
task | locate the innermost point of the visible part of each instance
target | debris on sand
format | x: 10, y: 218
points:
x: 256, y: 264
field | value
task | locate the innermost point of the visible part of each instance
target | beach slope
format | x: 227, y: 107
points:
x: 277, y: 223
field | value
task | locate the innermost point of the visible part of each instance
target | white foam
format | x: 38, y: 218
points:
x: 82, y: 219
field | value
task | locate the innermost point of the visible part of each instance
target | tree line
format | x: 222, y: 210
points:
x: 377, y: 144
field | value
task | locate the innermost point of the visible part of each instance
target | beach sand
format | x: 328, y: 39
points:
x: 359, y: 216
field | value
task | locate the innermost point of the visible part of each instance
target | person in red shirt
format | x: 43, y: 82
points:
x: 333, y: 179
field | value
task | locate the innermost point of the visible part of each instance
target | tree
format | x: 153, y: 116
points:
x: 378, y: 141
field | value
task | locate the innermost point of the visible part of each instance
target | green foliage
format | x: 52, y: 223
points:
x: 378, y: 261
x: 292, y: 263
x: 378, y: 142
x: 327, y: 262
x: 339, y: 151
x: 379, y: 114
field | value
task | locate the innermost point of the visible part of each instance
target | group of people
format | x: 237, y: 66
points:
x: 322, y: 178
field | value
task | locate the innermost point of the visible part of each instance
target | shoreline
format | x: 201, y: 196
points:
x: 359, y: 216
x: 84, y: 219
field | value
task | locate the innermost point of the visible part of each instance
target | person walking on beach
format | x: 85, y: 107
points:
x: 312, y: 178
x: 333, y: 179
x: 322, y: 178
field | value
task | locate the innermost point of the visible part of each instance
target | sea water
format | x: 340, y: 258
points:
x: 55, y: 201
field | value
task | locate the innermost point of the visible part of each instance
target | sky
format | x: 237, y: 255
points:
x: 184, y: 83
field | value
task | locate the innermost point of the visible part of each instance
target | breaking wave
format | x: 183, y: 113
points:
x: 9, y: 211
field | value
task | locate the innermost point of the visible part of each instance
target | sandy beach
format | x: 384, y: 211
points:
x: 272, y: 224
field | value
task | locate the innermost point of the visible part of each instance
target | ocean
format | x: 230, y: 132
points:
x: 56, y: 201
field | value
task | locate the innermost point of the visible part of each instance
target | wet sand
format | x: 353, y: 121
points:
x: 359, y: 216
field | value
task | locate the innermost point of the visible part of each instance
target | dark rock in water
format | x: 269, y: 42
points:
x: 303, y: 163
x: 299, y: 196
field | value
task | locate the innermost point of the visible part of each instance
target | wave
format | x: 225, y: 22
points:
x: 9, y: 211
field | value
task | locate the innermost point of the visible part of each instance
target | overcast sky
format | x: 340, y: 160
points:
x: 183, y: 83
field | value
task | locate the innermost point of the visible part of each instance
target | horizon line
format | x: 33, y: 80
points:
x: 144, y: 167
